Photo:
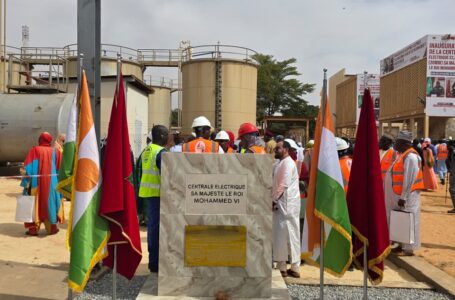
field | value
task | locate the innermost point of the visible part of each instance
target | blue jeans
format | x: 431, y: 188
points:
x: 153, y: 231
x: 441, y: 168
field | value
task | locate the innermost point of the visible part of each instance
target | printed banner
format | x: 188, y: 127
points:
x: 372, y: 82
x: 440, y: 85
x: 404, y: 57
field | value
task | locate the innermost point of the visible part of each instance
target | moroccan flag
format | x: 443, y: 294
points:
x: 327, y: 202
x: 88, y: 232
x: 65, y: 176
x: 118, y: 202
x: 366, y: 196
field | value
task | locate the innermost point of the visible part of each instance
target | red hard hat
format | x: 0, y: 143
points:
x: 246, y: 128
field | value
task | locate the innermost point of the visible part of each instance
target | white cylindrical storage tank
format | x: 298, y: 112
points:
x: 108, y: 67
x: 16, y: 78
x: 160, y: 107
x: 24, y: 116
x: 229, y: 81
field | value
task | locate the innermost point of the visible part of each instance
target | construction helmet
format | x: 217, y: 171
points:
x: 246, y: 128
x: 341, y: 144
x: 200, y: 122
x: 222, y: 136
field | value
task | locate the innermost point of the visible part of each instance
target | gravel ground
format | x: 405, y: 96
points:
x: 347, y: 292
x: 101, y: 289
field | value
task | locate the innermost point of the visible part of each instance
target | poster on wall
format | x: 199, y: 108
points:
x: 440, y: 84
x: 372, y: 82
x: 404, y: 57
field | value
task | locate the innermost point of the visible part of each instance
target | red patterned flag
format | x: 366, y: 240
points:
x: 118, y: 204
x: 366, y: 196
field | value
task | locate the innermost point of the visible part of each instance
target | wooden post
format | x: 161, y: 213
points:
x: 412, y: 127
x: 426, y: 126
x: 307, y: 131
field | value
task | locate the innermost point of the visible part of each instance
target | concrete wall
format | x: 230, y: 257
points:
x: 137, y: 112
x: 334, y: 80
x: 346, y: 111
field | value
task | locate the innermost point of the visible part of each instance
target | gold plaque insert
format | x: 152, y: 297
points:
x: 215, y: 246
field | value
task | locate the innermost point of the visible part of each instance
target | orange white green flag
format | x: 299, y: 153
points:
x: 326, y: 202
x: 88, y: 232
x: 65, y: 175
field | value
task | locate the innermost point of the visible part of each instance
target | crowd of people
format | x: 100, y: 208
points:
x: 408, y: 166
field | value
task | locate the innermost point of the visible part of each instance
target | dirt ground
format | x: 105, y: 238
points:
x: 35, y: 267
x: 438, y: 230
x: 31, y: 265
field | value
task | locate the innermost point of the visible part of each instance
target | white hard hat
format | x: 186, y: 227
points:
x: 341, y: 144
x: 292, y: 144
x: 222, y: 136
x: 201, y: 121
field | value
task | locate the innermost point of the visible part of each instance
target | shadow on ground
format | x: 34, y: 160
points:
x: 17, y: 230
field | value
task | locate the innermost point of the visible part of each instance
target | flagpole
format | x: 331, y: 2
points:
x: 79, y: 80
x: 365, y: 272
x: 321, y: 222
x: 365, y: 254
x: 81, y: 67
x: 119, y: 67
x: 114, y: 275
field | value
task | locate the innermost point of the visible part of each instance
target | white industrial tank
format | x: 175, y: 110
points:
x: 24, y: 116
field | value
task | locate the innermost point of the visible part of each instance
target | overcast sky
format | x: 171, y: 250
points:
x: 331, y: 34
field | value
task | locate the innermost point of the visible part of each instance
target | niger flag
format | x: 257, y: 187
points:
x: 327, y: 202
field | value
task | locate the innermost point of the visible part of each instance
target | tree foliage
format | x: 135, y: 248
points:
x: 279, y: 91
x: 175, y: 117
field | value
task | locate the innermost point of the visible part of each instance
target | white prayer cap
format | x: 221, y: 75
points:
x: 292, y: 143
x: 405, y: 135
x: 427, y: 140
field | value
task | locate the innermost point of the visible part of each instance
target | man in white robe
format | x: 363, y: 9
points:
x: 408, y: 201
x: 286, y: 210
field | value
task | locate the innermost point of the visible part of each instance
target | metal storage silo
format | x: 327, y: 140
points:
x: 130, y: 60
x: 159, y: 104
x: 219, y: 82
x: 24, y: 116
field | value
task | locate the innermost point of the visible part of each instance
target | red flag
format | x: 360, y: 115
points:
x: 118, y: 204
x: 366, y: 196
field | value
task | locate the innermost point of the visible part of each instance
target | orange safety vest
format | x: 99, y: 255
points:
x: 387, y: 160
x: 201, y: 145
x: 398, y: 174
x: 345, y: 165
x: 254, y: 149
x: 257, y: 149
x: 442, y: 152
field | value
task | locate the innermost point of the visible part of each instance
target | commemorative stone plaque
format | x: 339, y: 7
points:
x: 215, y: 225
x: 221, y: 194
